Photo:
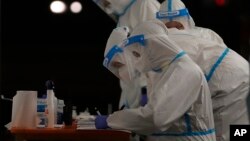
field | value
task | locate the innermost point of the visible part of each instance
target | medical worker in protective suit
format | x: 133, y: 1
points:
x: 130, y: 13
x: 198, y: 31
x: 226, y: 71
x: 179, y: 107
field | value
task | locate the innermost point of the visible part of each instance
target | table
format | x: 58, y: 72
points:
x: 70, y: 133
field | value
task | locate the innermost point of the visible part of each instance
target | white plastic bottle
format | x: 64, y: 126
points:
x: 55, y: 110
x: 51, y: 104
x: 74, y: 113
x: 51, y: 108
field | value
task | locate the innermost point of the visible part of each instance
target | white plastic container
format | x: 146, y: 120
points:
x: 51, y: 108
x: 74, y: 113
x: 24, y: 109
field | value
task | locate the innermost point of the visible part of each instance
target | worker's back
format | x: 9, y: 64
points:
x: 227, y: 74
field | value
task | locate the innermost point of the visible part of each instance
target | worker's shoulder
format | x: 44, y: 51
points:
x: 204, y: 29
x: 183, y: 63
x: 189, y: 67
x: 208, y: 33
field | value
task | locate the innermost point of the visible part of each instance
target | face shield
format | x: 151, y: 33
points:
x: 120, y: 64
x: 105, y: 5
x: 114, y: 57
x: 147, y: 52
x: 135, y: 48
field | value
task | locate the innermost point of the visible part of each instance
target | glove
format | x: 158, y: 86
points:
x: 101, y: 122
x: 144, y: 100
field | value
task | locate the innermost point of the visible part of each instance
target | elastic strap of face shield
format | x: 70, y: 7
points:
x: 112, y: 52
x: 134, y: 39
x: 140, y: 39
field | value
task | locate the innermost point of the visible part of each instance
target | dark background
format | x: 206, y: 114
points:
x: 68, y: 48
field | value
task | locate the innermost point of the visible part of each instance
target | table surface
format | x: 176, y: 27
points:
x: 70, y: 133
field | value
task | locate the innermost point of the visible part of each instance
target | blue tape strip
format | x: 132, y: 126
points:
x: 170, y: 5
x: 135, y: 39
x: 172, y: 14
x: 179, y: 55
x: 170, y: 8
x: 217, y: 63
x: 112, y: 52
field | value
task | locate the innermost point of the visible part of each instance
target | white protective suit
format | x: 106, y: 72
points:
x: 130, y: 13
x: 226, y: 71
x: 177, y: 109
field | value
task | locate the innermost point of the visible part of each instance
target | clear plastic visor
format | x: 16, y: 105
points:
x: 120, y: 64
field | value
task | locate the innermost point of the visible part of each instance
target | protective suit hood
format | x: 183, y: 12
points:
x: 116, y: 37
x: 175, y: 10
x: 138, y: 11
x: 158, y: 51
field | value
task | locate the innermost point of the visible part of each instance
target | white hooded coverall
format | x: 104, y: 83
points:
x: 226, y: 71
x: 179, y: 107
